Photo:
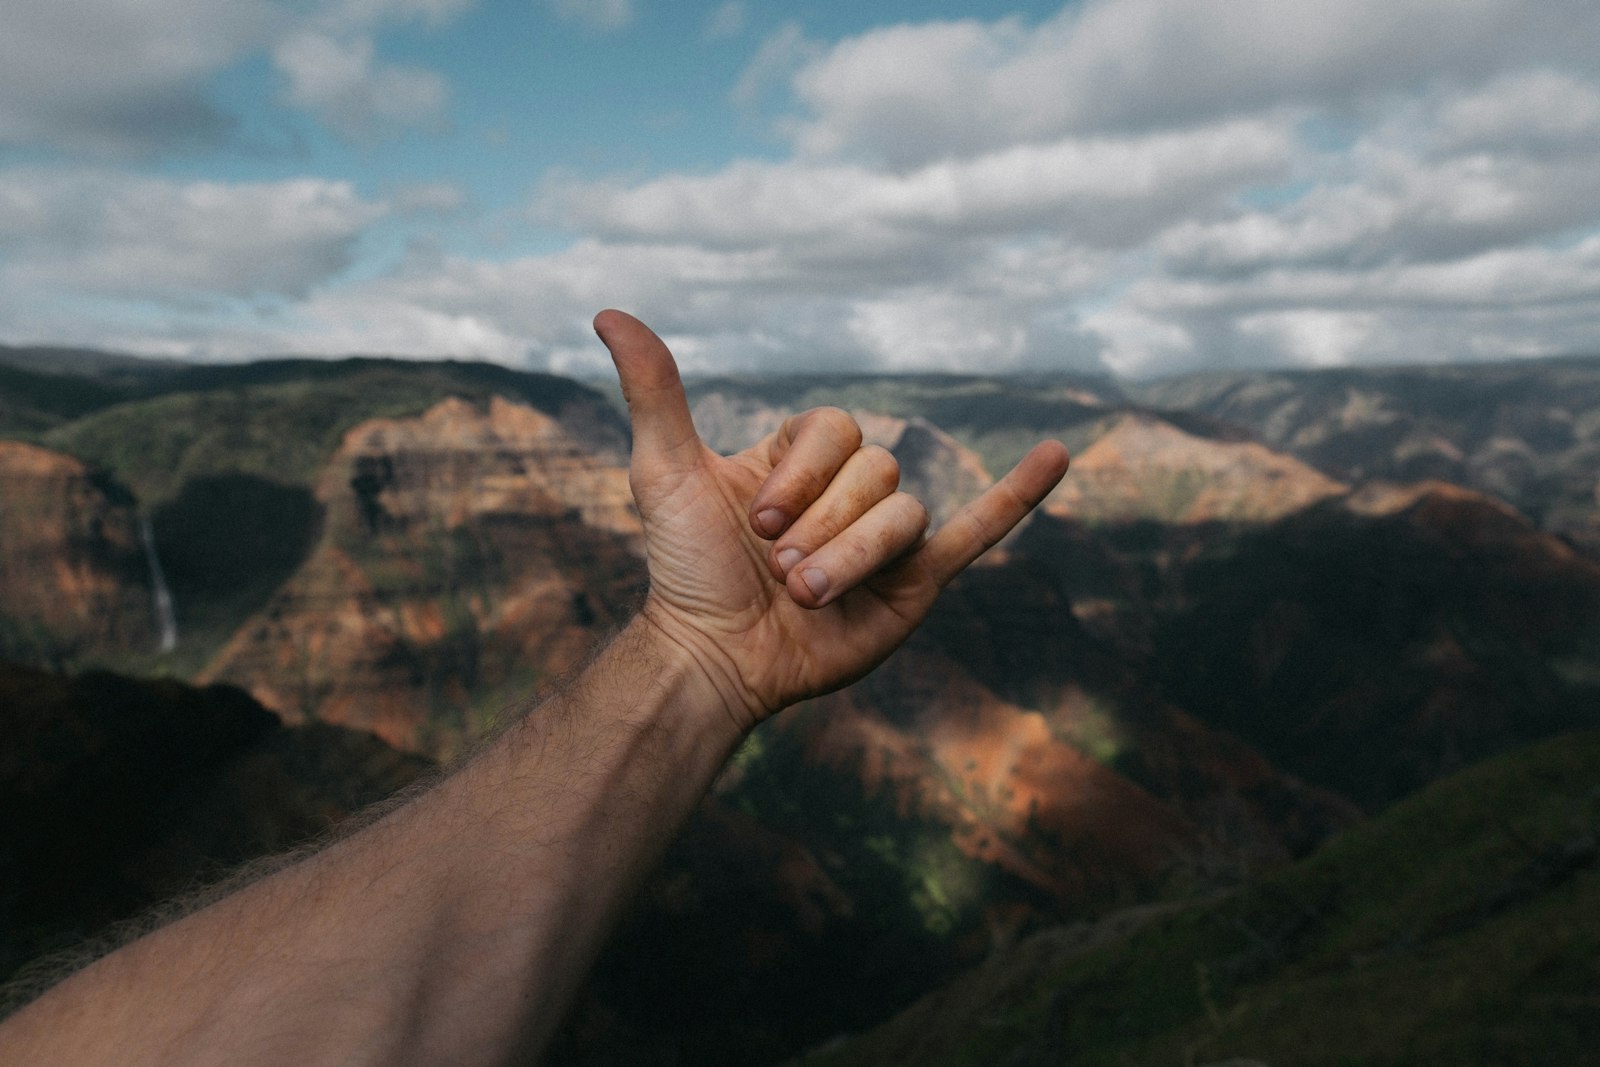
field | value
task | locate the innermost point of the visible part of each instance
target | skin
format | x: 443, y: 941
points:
x: 458, y: 928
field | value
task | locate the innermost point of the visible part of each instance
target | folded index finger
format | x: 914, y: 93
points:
x: 980, y: 525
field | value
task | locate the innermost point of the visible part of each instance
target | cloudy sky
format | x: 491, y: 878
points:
x: 1143, y: 186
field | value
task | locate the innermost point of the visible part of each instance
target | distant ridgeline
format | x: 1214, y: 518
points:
x: 1261, y: 609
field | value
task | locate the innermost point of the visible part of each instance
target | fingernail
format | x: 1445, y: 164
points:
x: 816, y: 581
x: 770, y: 522
x: 788, y: 558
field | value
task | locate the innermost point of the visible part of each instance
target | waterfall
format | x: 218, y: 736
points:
x: 165, y: 619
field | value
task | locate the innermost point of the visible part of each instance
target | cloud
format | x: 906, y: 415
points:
x: 110, y: 235
x: 107, y: 78
x: 357, y: 97
x: 963, y: 262
x: 603, y: 15
x: 1141, y: 185
x: 1101, y: 191
x: 909, y: 93
x: 110, y: 78
x: 1538, y: 112
x: 360, y: 14
x: 1495, y: 304
x: 1400, y: 208
x: 780, y: 56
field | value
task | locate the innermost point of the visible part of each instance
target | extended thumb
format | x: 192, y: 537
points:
x: 657, y: 407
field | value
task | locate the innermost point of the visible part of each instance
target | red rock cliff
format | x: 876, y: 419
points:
x: 467, y: 555
x: 73, y: 580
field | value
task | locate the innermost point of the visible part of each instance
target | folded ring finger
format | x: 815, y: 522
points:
x: 890, y: 528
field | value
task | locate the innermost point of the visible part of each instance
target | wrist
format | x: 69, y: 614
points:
x: 714, y: 684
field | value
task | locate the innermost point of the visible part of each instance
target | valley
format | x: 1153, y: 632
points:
x: 1260, y: 612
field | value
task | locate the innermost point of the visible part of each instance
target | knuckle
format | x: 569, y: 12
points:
x: 838, y: 424
x: 881, y: 465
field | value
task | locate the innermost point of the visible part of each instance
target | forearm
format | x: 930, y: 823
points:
x: 454, y: 930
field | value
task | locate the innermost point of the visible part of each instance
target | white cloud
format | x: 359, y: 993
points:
x: 109, y: 234
x: 776, y: 61
x: 118, y: 77
x: 1538, y: 111
x: 906, y: 94
x: 110, y: 77
x: 602, y: 15
x: 1400, y: 207
x: 1318, y: 337
x: 912, y: 93
x: 1150, y: 185
x: 1107, y: 190
x: 1503, y: 302
x: 341, y: 82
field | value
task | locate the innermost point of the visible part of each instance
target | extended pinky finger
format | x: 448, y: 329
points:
x: 883, y: 534
x: 980, y: 525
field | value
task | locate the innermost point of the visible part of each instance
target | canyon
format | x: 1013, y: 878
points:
x: 1221, y: 642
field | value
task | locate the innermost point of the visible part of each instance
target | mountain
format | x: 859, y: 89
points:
x: 1527, y: 432
x: 1458, y: 927
x: 466, y: 557
x: 1208, y: 653
x: 1372, y: 643
x: 225, y: 460
x: 282, y: 419
x: 1145, y: 468
x: 74, y: 578
x: 85, y: 363
x: 32, y: 402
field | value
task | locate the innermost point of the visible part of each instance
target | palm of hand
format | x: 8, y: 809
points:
x: 709, y: 572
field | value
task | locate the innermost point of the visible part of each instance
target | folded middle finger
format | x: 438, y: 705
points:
x: 868, y: 476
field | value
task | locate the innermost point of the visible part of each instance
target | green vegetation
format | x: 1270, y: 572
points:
x: 1097, y: 732
x: 277, y: 419
x: 280, y: 432
x: 1463, y: 926
x: 916, y: 893
x: 32, y: 402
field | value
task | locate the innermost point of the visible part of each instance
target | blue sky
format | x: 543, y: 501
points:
x: 1142, y: 186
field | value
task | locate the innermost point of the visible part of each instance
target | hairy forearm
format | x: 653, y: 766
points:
x: 455, y: 930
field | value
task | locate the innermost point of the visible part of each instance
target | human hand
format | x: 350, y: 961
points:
x: 793, y: 567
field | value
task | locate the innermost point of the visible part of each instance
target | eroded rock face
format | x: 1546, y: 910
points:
x: 74, y: 582
x: 1527, y: 432
x: 467, y: 556
x: 1006, y: 785
x: 1147, y: 469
